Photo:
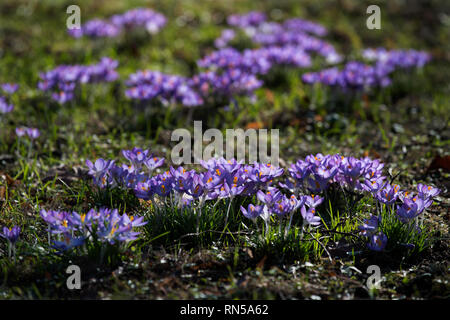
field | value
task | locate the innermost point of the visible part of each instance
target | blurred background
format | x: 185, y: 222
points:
x: 33, y: 39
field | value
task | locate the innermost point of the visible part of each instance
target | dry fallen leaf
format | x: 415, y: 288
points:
x: 440, y: 163
x: 372, y: 153
x: 269, y: 96
x: 260, y: 264
x: 2, y: 192
x: 254, y: 125
x: 249, y: 252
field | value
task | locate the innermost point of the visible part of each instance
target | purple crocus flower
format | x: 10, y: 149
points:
x: 182, y: 179
x: 58, y: 221
x: 5, y: 107
x: 282, y: 207
x: 377, y: 242
x: 297, y: 203
x: 153, y: 162
x: 270, y: 197
x: 68, y: 243
x: 132, y: 221
x: 99, y: 167
x: 136, y: 156
x: 230, y: 190
x: 143, y: 190
x: 196, y: 187
x: 101, y: 172
x: 309, y: 216
x: 162, y: 184
x: 95, y: 28
x: 209, y: 181
x: 411, y: 208
x: 10, y: 88
x: 11, y: 234
x: 427, y: 191
x: 63, y: 96
x: 370, y: 226
x: 313, y: 200
x: 252, y: 212
x: 33, y: 133
x: 21, y: 131
x: 388, y: 194
x: 266, y: 172
x: 186, y: 201
x: 352, y: 167
x: 291, y: 186
x: 373, y: 185
x: 321, y: 179
x: 300, y: 170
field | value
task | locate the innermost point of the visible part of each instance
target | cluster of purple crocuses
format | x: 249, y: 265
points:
x: 358, y: 75
x: 300, y: 36
x: 410, y: 207
x: 148, y: 85
x: 256, y: 19
x: 8, y: 89
x: 224, y: 85
x: 226, y: 179
x: 255, y: 61
x: 316, y: 173
x: 228, y: 72
x: 146, y: 18
x: 228, y: 66
x: 31, y: 133
x: 354, y: 75
x: 5, y: 107
x: 249, y: 19
x: 295, y: 32
x: 397, y: 58
x: 72, y: 229
x: 64, y: 80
